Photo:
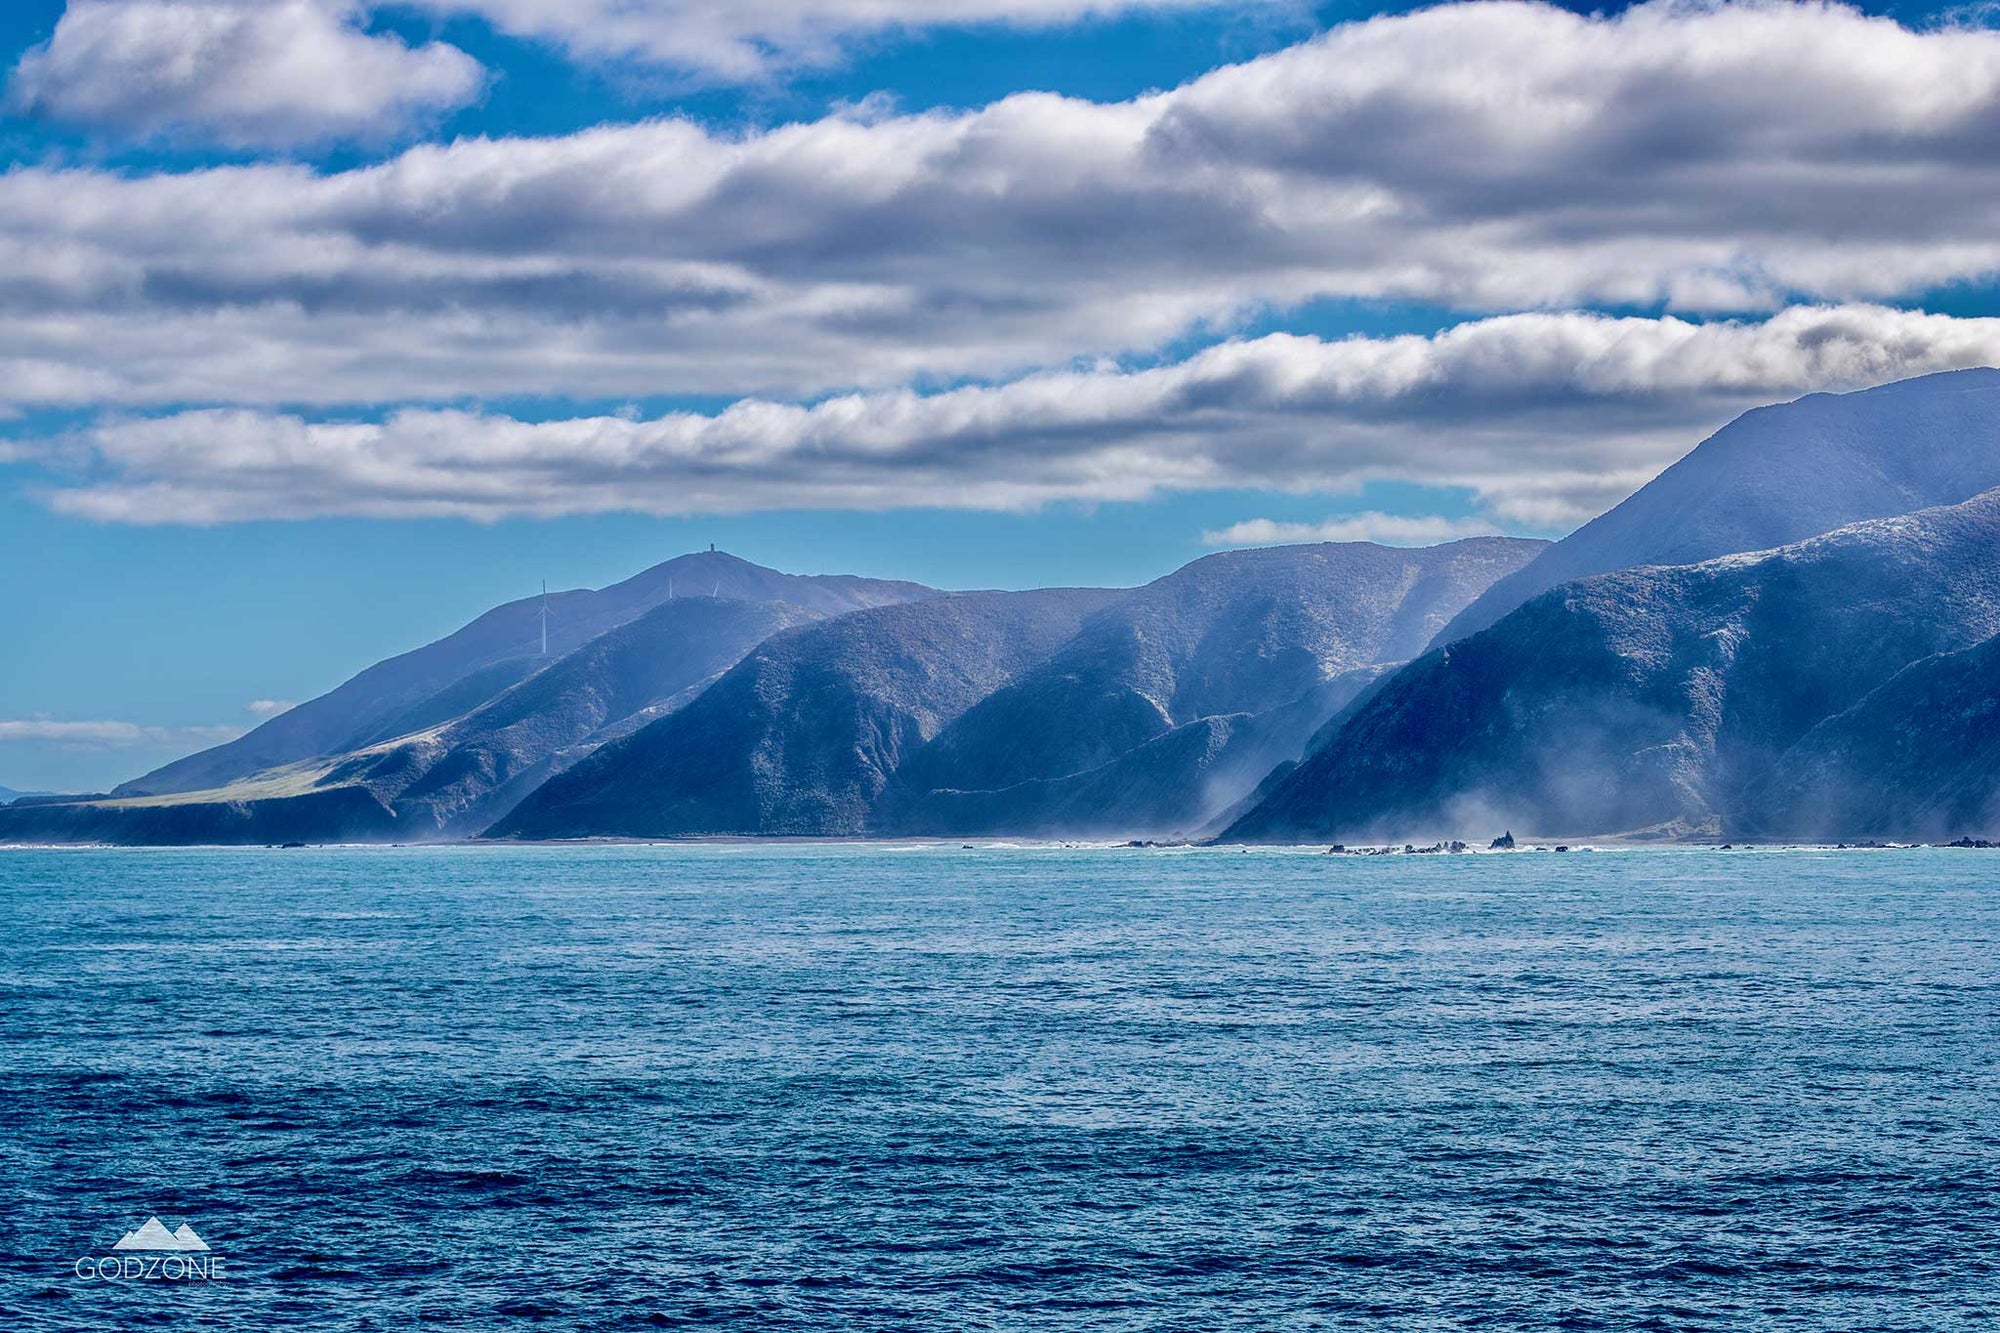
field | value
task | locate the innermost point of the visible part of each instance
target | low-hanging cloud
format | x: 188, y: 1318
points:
x: 1730, y: 158
x: 247, y: 73
x: 1369, y: 526
x: 1545, y: 418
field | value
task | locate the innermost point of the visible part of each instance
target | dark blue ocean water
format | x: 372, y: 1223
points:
x: 851, y: 1088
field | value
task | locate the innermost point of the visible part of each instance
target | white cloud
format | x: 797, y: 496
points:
x: 1491, y: 156
x: 751, y: 40
x: 111, y: 735
x: 269, y: 708
x: 1370, y: 526
x: 1547, y: 418
x: 249, y: 73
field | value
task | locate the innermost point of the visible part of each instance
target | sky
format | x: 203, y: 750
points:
x: 326, y: 324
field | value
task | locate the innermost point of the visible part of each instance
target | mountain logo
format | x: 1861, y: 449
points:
x: 150, y: 1252
x: 153, y: 1235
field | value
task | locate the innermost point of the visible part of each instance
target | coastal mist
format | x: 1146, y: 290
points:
x: 845, y: 1087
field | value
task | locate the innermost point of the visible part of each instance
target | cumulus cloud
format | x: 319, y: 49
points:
x: 751, y: 40
x: 111, y: 735
x: 269, y: 708
x: 1546, y: 418
x: 248, y: 73
x: 1488, y: 156
x: 1370, y: 526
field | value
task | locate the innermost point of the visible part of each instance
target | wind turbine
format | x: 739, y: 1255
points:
x: 545, y: 617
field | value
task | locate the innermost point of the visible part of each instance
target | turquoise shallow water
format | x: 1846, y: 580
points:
x: 839, y: 1087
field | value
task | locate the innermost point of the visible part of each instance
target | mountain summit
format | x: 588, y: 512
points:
x: 1781, y: 474
x: 492, y: 653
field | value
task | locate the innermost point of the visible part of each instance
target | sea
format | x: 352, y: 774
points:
x: 937, y: 1087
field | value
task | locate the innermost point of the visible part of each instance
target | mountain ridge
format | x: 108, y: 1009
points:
x: 491, y: 653
x: 1264, y: 690
x: 447, y: 763
x: 1779, y: 474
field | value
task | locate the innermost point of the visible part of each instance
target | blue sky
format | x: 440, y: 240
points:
x: 325, y: 324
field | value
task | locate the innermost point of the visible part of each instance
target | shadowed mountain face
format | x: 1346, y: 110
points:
x: 1648, y: 697
x: 1169, y: 705
x: 802, y: 735
x: 1027, y: 713
x: 442, y: 680
x: 1917, y: 758
x: 1781, y: 474
x: 1173, y: 784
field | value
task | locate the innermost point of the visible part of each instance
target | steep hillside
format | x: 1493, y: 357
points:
x: 1174, y: 784
x: 1781, y: 474
x: 1648, y: 697
x: 1170, y: 704
x: 803, y: 734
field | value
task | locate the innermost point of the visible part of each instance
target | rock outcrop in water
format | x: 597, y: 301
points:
x: 1781, y: 474
x: 1737, y: 689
